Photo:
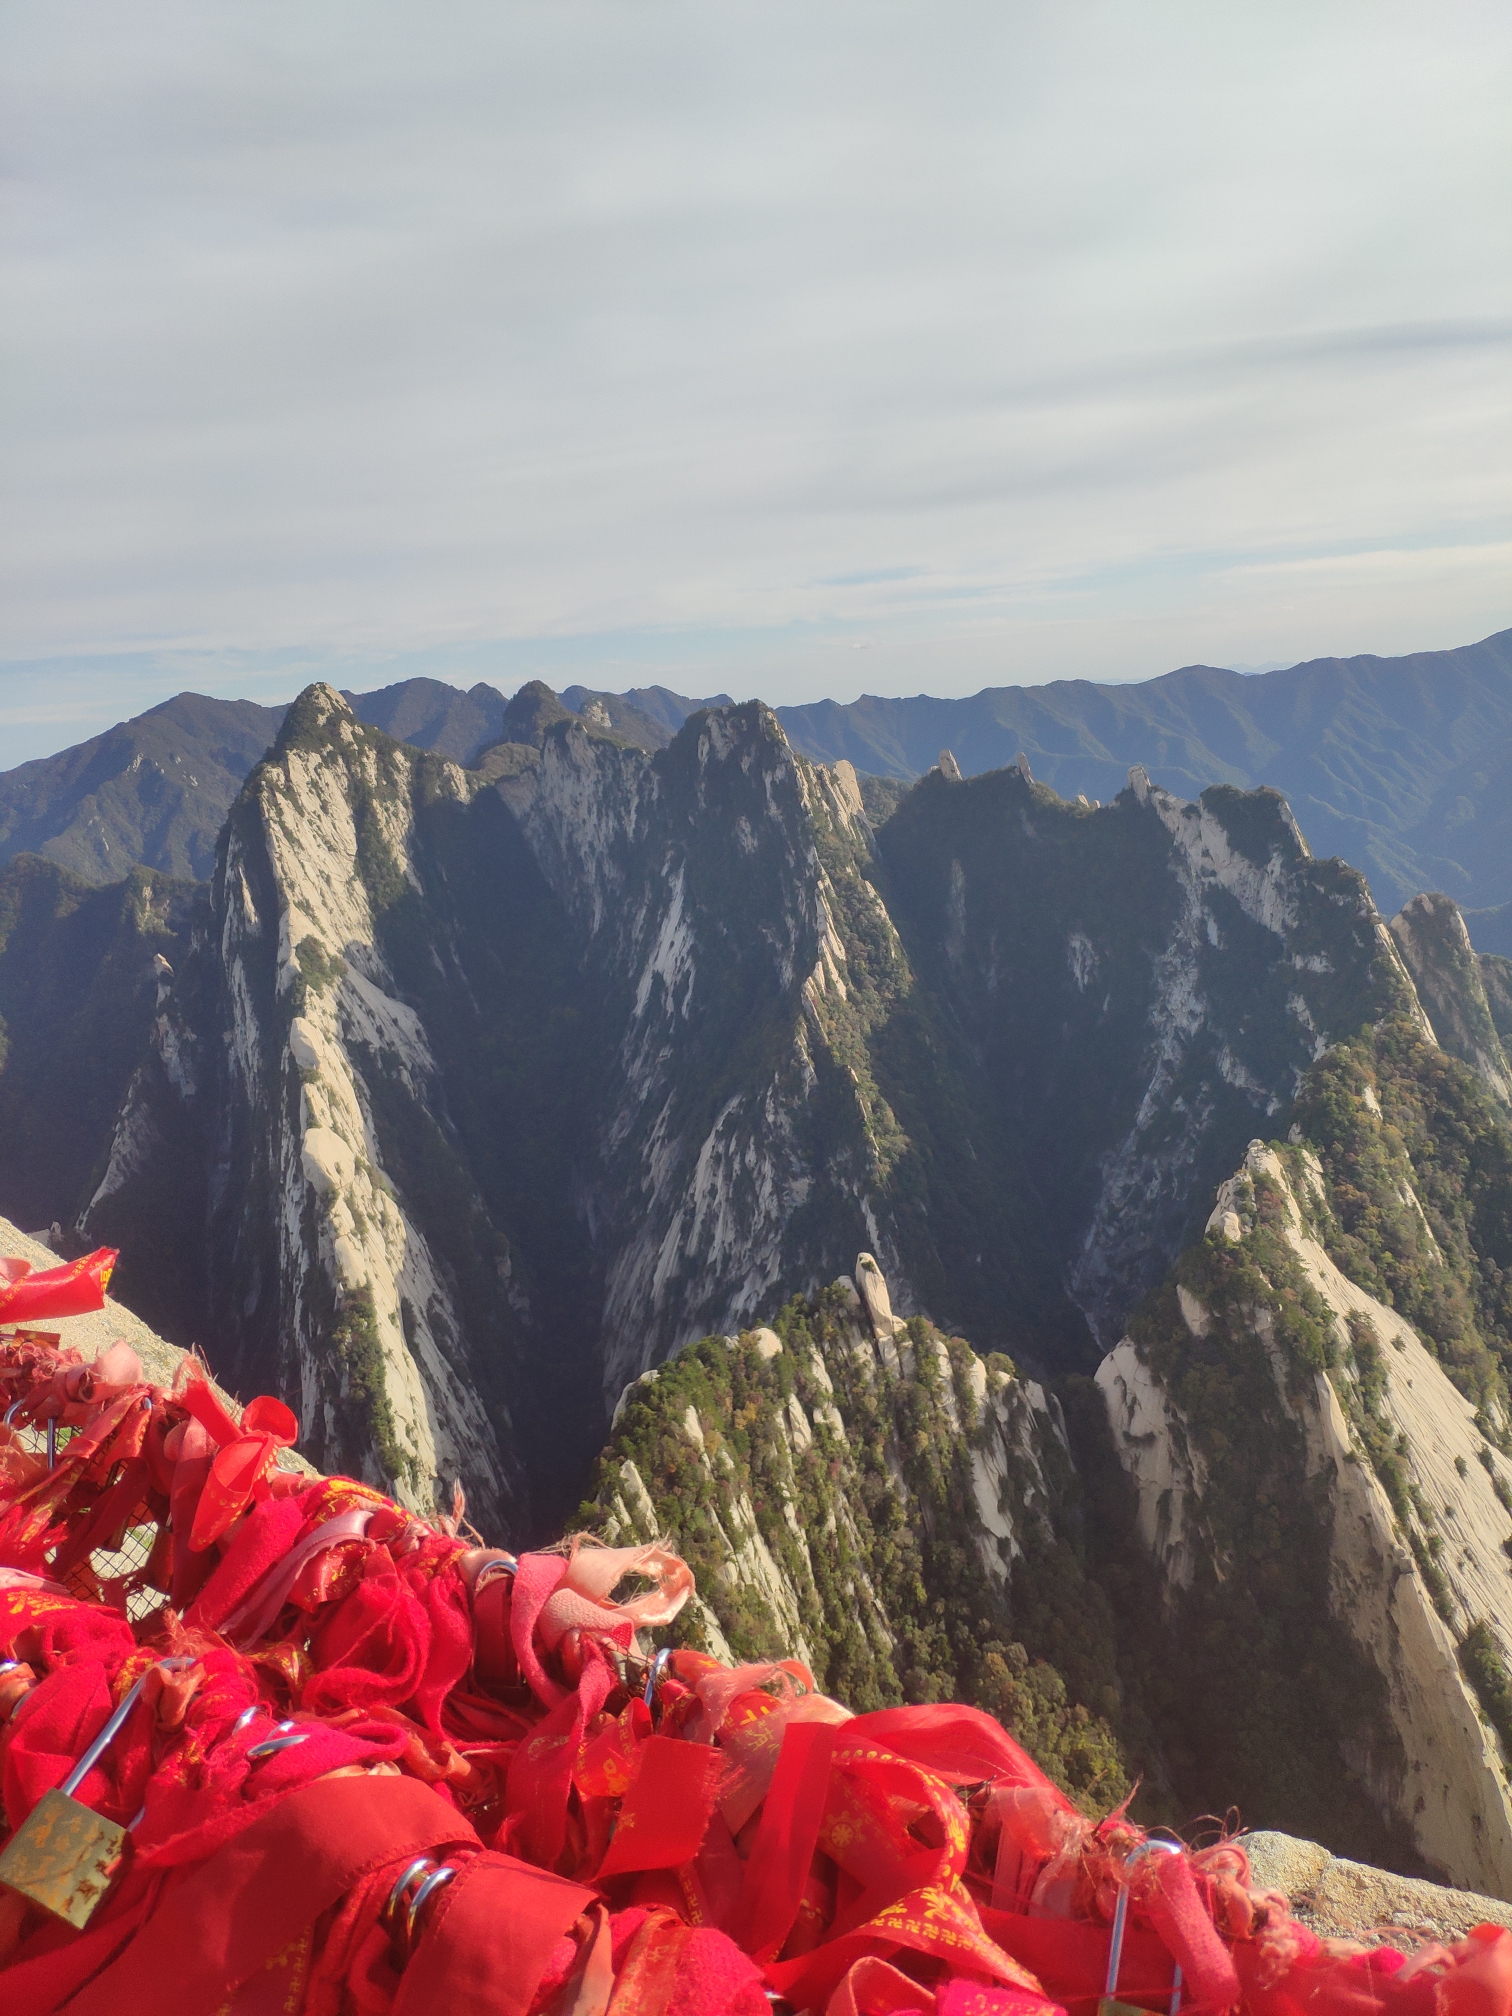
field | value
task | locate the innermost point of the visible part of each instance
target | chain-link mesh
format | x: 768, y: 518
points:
x: 105, y: 1564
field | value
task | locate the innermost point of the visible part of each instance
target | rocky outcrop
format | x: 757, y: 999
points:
x: 81, y: 972
x: 290, y: 1037
x: 497, y: 1094
x: 1169, y: 1477
x: 1413, y: 1498
x: 483, y: 1091
x: 1247, y: 886
x: 872, y: 1498
x: 1435, y: 946
x: 765, y: 1568
x: 1341, y: 1899
x: 730, y: 1122
x: 1108, y: 1001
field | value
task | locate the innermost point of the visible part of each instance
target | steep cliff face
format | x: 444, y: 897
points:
x: 490, y: 1098
x: 731, y: 1150
x: 1323, y: 1484
x: 1007, y: 1041
x: 342, y: 1236
x: 81, y: 970
x: 873, y: 1498
x: 484, y: 1091
x: 1111, y: 999
x: 1496, y: 979
x: 1452, y: 984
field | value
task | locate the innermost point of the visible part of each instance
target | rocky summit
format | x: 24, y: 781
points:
x: 1047, y: 1252
x: 478, y: 1091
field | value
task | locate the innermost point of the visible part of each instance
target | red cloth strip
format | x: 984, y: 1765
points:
x: 666, y: 1812
x: 250, y: 1901
x: 1168, y: 1892
x: 74, y: 1290
x: 786, y: 1837
x: 488, y: 1939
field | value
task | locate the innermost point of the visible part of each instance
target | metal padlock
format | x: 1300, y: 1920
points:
x: 64, y: 1856
x: 1109, y: 2005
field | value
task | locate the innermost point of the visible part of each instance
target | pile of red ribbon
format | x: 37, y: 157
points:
x: 378, y: 1768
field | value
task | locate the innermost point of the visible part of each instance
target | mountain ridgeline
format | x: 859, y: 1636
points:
x: 155, y: 791
x: 511, y: 1088
x: 1401, y: 765
x: 521, y: 1120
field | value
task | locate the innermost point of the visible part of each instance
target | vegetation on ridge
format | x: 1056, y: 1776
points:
x: 1417, y: 1168
x: 1400, y: 1164
x: 869, y: 1517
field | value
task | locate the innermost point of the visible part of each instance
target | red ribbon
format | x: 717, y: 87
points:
x: 75, y: 1290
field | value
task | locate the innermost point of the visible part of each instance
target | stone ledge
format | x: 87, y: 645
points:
x: 1349, y: 1900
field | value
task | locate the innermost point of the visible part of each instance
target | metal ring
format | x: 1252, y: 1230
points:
x: 274, y: 1744
x: 9, y: 1665
x: 10, y: 1413
x: 492, y: 1570
x: 654, y: 1678
x: 436, y: 1880
x: 247, y: 1715
x: 411, y: 1873
x: 1121, y: 1917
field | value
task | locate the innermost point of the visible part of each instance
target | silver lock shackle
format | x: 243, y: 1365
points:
x: 654, y: 1678
x: 1121, y: 1921
x: 52, y: 1433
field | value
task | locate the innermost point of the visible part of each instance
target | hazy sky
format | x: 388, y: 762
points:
x: 798, y: 350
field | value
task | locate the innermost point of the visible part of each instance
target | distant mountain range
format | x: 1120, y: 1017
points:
x: 1403, y: 766
x: 153, y: 792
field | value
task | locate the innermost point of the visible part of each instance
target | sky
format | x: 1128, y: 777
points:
x: 798, y: 350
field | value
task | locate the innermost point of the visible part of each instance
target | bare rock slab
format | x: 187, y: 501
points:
x: 1349, y: 1900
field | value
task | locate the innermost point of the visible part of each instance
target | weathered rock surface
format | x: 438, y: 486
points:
x: 872, y: 1498
x: 1410, y: 1570
x: 1340, y: 1899
x: 282, y: 1059
x: 483, y: 1091
x: 1431, y: 936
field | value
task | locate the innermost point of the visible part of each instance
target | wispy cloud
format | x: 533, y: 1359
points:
x: 1014, y: 341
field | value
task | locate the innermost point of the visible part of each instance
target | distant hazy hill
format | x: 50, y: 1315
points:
x: 1492, y: 929
x: 433, y: 715
x: 649, y: 716
x: 1401, y: 765
x: 153, y: 792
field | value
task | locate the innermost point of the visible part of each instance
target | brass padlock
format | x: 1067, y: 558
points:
x: 1108, y: 2003
x: 64, y: 1856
